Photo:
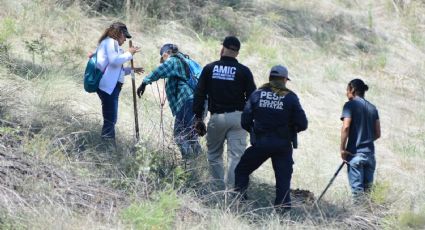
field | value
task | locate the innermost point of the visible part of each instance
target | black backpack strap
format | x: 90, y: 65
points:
x: 186, y: 69
x: 186, y: 66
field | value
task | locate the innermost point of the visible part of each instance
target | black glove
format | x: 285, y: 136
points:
x: 200, y: 127
x: 141, y: 89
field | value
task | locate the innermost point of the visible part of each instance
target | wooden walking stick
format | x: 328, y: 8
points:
x: 133, y: 84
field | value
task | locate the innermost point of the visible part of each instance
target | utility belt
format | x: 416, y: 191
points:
x: 219, y: 109
x: 282, y: 133
x: 226, y: 111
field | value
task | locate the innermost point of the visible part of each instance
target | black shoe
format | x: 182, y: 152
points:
x: 282, y: 209
x: 109, y: 143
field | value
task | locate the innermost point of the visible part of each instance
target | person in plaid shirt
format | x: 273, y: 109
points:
x: 179, y: 96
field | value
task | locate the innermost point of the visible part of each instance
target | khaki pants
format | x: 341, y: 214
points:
x: 221, y: 127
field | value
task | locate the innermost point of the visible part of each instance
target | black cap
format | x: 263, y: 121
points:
x: 122, y: 27
x: 232, y: 43
x: 167, y: 47
x: 125, y: 32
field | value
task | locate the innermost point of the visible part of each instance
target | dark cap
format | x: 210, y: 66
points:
x: 279, y: 71
x: 125, y: 32
x: 232, y: 42
x: 167, y: 47
x: 122, y: 27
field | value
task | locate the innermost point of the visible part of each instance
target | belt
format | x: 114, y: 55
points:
x: 227, y: 111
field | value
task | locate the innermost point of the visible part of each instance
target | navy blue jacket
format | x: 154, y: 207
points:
x: 226, y: 83
x: 273, y: 120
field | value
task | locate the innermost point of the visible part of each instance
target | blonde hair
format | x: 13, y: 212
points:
x: 113, y: 31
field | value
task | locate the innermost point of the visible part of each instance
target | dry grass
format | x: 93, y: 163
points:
x: 56, y: 173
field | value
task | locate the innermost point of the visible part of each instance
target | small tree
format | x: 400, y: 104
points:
x: 37, y: 46
x: 7, y: 29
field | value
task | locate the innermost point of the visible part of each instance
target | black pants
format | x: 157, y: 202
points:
x: 282, y: 162
x: 109, y: 110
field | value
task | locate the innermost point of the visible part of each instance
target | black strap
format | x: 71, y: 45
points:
x: 187, y: 71
x: 186, y: 66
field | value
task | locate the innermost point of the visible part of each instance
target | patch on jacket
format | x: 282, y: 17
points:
x: 270, y: 100
x: 224, y: 72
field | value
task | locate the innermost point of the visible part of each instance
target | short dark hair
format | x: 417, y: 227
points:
x: 359, y: 86
x: 232, y: 43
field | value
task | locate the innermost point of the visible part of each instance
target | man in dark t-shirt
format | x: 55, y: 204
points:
x: 361, y: 127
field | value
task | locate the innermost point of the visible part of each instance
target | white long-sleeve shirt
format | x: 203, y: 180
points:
x: 112, y: 57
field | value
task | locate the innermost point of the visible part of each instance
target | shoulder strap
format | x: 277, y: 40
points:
x: 95, y: 54
x: 186, y: 66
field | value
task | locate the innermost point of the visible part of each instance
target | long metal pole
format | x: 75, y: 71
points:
x: 133, y: 84
x: 332, y: 180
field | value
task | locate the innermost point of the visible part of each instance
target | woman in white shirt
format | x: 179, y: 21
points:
x: 110, y: 59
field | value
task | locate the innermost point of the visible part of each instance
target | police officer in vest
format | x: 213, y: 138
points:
x: 273, y: 115
x: 227, y: 84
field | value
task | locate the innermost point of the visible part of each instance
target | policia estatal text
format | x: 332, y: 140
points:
x: 273, y: 116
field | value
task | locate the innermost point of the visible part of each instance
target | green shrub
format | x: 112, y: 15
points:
x: 7, y: 222
x: 7, y: 30
x: 12, y: 220
x: 42, y: 147
x: 37, y: 46
x: 370, y: 17
x: 158, y: 213
x: 259, y: 33
x: 373, y: 62
x: 380, y: 192
x: 332, y: 72
x: 380, y: 61
x: 414, y: 24
x: 217, y: 21
x: 412, y: 220
x: 156, y: 167
x: 408, y: 149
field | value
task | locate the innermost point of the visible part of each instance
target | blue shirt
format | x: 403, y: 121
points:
x: 363, y: 116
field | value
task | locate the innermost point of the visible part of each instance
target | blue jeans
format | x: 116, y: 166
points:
x: 109, y: 110
x: 282, y: 163
x: 360, y: 173
x: 184, y: 133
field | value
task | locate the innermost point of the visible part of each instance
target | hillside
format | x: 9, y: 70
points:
x: 56, y: 173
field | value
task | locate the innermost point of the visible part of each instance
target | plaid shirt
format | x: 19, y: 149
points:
x: 176, y: 89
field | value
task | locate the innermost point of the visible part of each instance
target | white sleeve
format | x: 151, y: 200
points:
x: 113, y: 53
x: 127, y: 70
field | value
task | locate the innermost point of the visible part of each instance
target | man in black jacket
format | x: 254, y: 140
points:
x: 273, y: 115
x: 226, y: 84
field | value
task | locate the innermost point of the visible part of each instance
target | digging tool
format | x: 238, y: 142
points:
x: 133, y: 84
x: 332, y: 180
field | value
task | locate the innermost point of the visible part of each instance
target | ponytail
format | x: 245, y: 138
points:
x: 359, y: 86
